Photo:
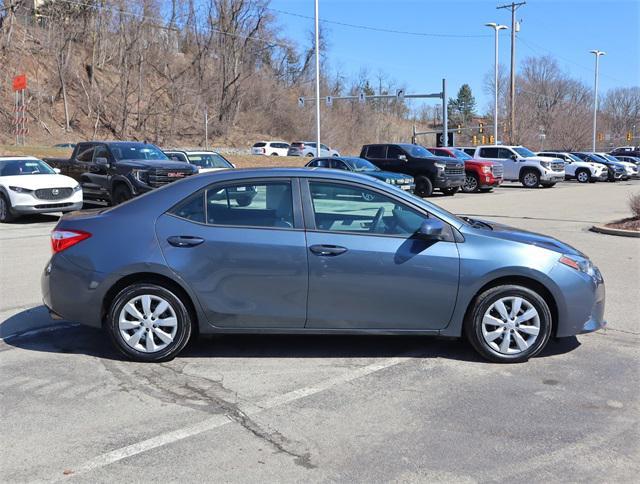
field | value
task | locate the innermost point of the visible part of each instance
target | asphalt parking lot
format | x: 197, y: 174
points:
x: 331, y: 408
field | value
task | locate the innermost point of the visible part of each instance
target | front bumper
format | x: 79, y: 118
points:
x: 43, y: 206
x: 552, y: 176
x: 449, y: 181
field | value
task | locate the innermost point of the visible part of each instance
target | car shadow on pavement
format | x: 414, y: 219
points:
x: 36, y: 218
x: 67, y: 338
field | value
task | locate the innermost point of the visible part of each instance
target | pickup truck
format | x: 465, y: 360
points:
x: 115, y: 171
x: 427, y: 170
x: 480, y: 175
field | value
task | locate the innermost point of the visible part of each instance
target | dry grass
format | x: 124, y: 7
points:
x: 37, y: 151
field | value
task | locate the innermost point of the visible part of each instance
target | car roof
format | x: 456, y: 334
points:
x: 191, y: 152
x: 17, y: 157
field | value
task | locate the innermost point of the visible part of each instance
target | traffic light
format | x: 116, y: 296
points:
x: 484, y: 140
x: 600, y: 137
x: 481, y: 128
x: 474, y: 140
x: 629, y: 136
x: 459, y: 130
x: 491, y: 139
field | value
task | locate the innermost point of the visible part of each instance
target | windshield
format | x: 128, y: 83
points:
x: 524, y: 152
x: 608, y: 157
x: 24, y: 167
x: 572, y: 157
x: 358, y: 164
x: 209, y: 160
x: 596, y: 158
x: 419, y: 152
x: 461, y: 155
x: 136, y: 151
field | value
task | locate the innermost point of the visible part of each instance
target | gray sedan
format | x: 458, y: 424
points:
x: 310, y: 254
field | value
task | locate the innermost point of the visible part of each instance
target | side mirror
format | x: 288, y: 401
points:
x: 402, y: 157
x: 102, y: 161
x: 514, y: 157
x: 431, y: 229
x: 57, y: 170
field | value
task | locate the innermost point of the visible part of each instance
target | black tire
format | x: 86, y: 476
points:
x: 274, y: 154
x: 243, y: 201
x: 450, y: 191
x: 6, y: 216
x: 583, y: 175
x: 471, y: 183
x: 121, y: 193
x: 486, y: 190
x: 310, y: 155
x: 548, y: 185
x: 424, y: 187
x: 530, y: 178
x: 473, y: 326
x: 182, y: 316
x: 593, y: 180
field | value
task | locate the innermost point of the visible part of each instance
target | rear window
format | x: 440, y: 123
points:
x: 378, y: 151
x: 260, y: 144
x: 279, y: 145
x: 297, y: 145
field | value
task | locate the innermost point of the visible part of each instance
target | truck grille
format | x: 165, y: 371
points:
x: 557, y: 165
x: 160, y: 177
x: 53, y: 193
x: 498, y: 170
x: 454, y: 170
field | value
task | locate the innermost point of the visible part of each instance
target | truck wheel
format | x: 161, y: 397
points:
x: 471, y: 183
x: 530, y: 179
x: 583, y: 176
x: 121, y: 194
x: 424, y: 187
x: 5, y: 210
x: 243, y: 201
x: 450, y: 191
x: 548, y: 185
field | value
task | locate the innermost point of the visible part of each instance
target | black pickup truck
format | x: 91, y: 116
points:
x: 115, y: 171
x: 428, y: 171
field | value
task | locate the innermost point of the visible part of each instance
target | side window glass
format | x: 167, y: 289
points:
x: 338, y: 165
x: 393, y: 152
x: 377, y: 152
x: 101, y: 152
x: 347, y: 208
x: 85, y: 153
x: 176, y: 156
x: 191, y: 209
x: 505, y: 154
x: 489, y: 153
x: 260, y: 205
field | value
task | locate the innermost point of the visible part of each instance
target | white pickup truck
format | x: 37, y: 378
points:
x: 523, y: 165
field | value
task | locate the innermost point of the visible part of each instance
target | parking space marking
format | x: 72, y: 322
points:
x: 220, y: 420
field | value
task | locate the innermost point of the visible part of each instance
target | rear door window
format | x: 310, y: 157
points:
x: 260, y: 144
x: 489, y: 153
x: 378, y: 152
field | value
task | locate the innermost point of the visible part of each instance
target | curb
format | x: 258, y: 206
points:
x: 601, y: 229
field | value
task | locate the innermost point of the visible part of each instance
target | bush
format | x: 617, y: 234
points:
x: 634, y: 205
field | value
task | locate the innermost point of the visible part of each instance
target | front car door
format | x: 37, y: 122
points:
x: 511, y: 166
x: 82, y: 169
x: 246, y: 264
x: 367, y: 269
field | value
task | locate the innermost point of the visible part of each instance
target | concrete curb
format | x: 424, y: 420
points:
x: 601, y: 229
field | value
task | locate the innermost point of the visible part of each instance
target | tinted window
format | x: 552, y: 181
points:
x: 420, y: 152
x: 489, y: 152
x: 524, y: 152
x: 101, y: 152
x: 191, y: 209
x: 261, y: 205
x: 377, y: 151
x: 324, y: 147
x: 24, y: 167
x: 504, y: 153
x: 346, y: 208
x: 85, y: 153
x: 279, y: 145
x: 393, y: 152
x: 137, y: 151
x: 320, y: 163
x: 177, y: 157
x: 260, y: 144
x: 209, y: 160
x: 339, y: 165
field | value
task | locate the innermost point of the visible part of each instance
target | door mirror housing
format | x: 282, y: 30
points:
x: 102, y: 161
x: 431, y: 229
x: 402, y: 157
x: 514, y: 157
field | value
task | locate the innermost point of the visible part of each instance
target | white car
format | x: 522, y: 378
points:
x: 630, y: 168
x: 28, y: 185
x: 308, y: 148
x: 575, y: 168
x: 270, y: 148
x: 206, y: 161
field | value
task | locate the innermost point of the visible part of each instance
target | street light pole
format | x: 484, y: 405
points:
x: 496, y: 28
x: 317, y: 82
x: 597, y: 53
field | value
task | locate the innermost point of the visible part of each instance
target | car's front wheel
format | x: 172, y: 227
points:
x: 5, y: 210
x: 424, y: 187
x: 509, y: 324
x: 121, y: 193
x: 583, y: 176
x: 530, y: 179
x: 471, y: 183
x: 148, y: 322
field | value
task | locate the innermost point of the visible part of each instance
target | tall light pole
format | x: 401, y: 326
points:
x: 497, y: 29
x: 597, y: 53
x: 317, y: 82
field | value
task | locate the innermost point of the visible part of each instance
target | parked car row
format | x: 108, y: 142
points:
x: 297, y: 148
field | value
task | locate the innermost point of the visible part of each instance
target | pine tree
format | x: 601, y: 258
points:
x: 463, y: 107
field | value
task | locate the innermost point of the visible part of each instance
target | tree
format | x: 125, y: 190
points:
x: 463, y: 107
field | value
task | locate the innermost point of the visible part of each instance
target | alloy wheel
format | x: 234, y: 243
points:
x: 530, y: 179
x: 583, y: 177
x: 511, y: 325
x: 148, y: 323
x: 470, y: 184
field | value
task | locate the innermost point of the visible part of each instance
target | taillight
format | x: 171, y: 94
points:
x: 63, y: 239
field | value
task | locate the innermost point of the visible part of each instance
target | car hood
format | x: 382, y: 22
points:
x: 162, y: 164
x: 209, y: 170
x: 386, y: 175
x: 35, y: 182
x: 543, y: 158
x: 506, y: 232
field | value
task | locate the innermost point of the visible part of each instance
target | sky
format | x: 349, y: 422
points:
x: 460, y: 48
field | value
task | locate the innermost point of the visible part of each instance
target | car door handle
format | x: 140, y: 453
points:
x: 327, y: 250
x: 185, y: 241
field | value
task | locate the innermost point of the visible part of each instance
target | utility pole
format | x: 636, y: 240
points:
x: 317, y: 82
x: 597, y: 53
x: 512, y: 90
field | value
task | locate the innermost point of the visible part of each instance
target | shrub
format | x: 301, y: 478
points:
x: 634, y: 205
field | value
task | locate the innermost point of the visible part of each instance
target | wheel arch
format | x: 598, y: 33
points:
x: 120, y: 180
x: 525, y: 169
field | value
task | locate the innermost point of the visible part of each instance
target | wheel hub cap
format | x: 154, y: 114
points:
x: 510, y: 325
x: 148, y: 323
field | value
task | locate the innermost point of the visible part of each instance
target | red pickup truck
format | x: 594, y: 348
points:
x: 480, y: 175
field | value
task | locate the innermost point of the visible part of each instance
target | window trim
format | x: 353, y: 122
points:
x: 310, y: 218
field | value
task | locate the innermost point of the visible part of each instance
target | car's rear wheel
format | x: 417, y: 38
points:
x: 424, y: 187
x: 583, y: 176
x: 509, y: 324
x: 6, y: 215
x: 471, y: 183
x: 121, y: 193
x: 148, y: 322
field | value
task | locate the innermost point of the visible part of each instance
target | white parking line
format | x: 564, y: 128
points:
x: 220, y: 420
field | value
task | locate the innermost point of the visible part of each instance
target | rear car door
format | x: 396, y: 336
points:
x: 82, y: 167
x: 377, y: 154
x: 367, y: 270
x: 247, y: 264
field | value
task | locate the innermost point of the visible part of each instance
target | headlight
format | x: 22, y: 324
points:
x: 389, y: 180
x: 77, y: 188
x: 581, y: 264
x: 440, y: 166
x: 141, y: 175
x: 20, y: 190
x: 545, y: 164
x: 486, y: 169
x: 408, y: 181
